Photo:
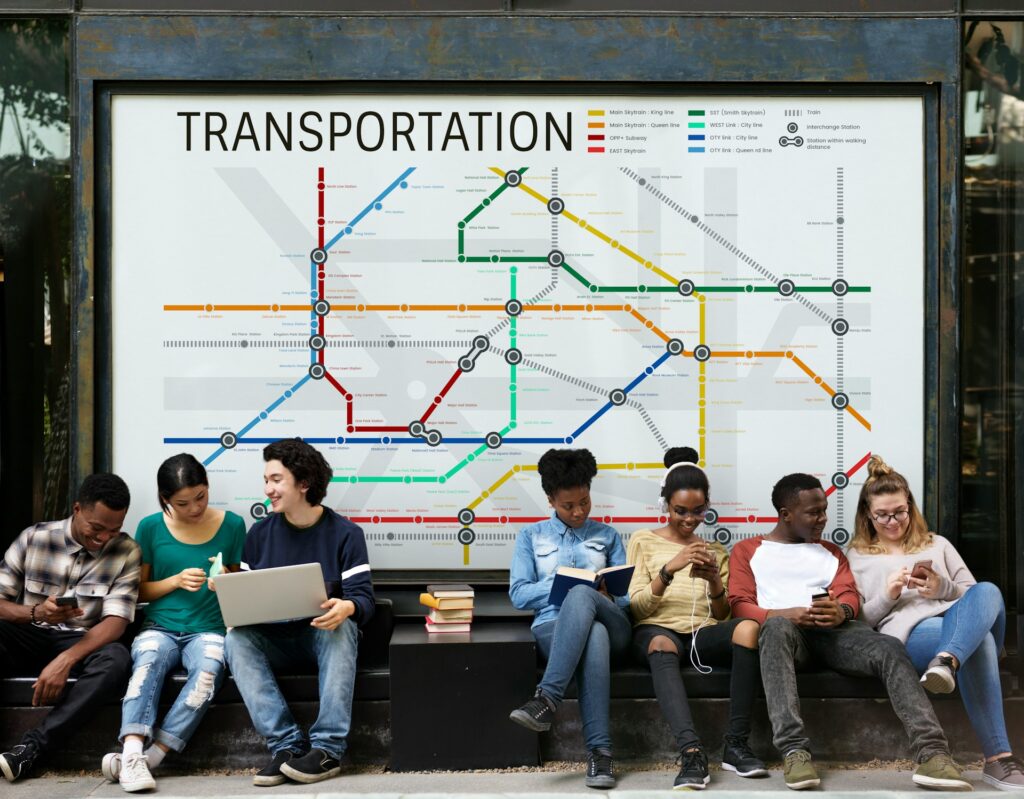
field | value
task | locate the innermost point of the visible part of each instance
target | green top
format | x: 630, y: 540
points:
x: 184, y: 611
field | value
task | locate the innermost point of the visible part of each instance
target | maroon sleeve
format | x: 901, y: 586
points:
x: 742, y: 585
x: 844, y: 586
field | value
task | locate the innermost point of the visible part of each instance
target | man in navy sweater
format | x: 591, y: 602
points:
x: 301, y: 530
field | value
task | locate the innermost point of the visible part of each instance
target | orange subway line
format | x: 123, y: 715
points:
x: 649, y: 324
x: 184, y: 307
x: 859, y: 418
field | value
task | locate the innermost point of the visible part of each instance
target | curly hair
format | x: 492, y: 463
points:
x: 305, y: 463
x: 566, y: 468
x: 883, y: 479
x: 788, y: 489
x: 104, y: 487
x: 684, y: 477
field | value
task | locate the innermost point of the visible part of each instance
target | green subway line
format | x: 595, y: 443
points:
x: 576, y: 274
x: 458, y: 467
x: 462, y: 241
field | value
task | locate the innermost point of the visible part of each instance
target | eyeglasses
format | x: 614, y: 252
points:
x: 886, y: 518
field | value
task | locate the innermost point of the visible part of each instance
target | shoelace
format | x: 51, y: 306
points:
x: 1013, y: 765
x: 742, y: 747
x: 600, y: 763
x: 799, y: 756
x: 689, y: 758
x: 132, y: 766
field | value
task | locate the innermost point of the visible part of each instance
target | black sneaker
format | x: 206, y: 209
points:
x: 739, y: 757
x: 18, y: 762
x: 536, y: 714
x: 317, y: 765
x: 271, y: 773
x: 693, y: 774
x: 599, y: 769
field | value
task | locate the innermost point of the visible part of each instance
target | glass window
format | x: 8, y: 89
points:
x: 992, y: 369
x: 35, y: 269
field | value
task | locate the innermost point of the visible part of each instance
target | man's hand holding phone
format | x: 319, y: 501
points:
x: 57, y: 610
x: 825, y: 611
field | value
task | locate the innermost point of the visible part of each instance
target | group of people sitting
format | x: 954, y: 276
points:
x: 903, y: 607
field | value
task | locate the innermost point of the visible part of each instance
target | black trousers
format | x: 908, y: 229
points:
x: 25, y: 649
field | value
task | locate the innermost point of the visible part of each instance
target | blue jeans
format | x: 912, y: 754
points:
x: 972, y: 630
x: 257, y: 651
x: 590, y: 630
x: 155, y: 653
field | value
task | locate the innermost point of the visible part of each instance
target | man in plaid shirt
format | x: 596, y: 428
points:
x: 67, y: 593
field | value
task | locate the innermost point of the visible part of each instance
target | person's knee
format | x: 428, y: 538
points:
x: 777, y: 628
x: 745, y: 634
x: 579, y: 596
x: 989, y: 593
x: 662, y: 643
x: 237, y: 642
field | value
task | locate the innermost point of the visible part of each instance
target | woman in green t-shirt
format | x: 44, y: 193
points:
x: 183, y: 624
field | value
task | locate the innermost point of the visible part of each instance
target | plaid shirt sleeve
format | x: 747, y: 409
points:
x: 124, y: 590
x: 12, y: 568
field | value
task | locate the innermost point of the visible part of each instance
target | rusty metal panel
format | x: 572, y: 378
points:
x: 492, y: 48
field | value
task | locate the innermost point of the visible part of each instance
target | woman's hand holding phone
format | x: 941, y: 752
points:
x: 896, y: 582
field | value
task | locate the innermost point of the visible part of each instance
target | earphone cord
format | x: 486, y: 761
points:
x: 694, y: 657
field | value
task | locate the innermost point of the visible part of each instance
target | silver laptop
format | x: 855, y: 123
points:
x: 268, y: 595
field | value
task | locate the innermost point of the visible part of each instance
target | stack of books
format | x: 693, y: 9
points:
x: 449, y: 608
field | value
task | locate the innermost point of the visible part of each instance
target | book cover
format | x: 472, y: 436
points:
x: 616, y: 581
x: 450, y: 590
x: 446, y: 628
x: 449, y: 616
x: 446, y: 603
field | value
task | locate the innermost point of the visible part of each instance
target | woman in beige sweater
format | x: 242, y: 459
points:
x: 916, y: 587
x: 680, y: 610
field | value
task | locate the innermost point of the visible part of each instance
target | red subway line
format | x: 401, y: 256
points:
x: 440, y: 395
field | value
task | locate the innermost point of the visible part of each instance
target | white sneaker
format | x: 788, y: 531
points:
x: 111, y: 766
x: 135, y: 774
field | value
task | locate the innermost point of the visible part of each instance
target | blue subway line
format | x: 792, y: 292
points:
x: 608, y: 406
x: 355, y: 221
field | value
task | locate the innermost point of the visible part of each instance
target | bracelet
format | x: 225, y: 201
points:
x: 666, y: 578
x: 34, y: 613
x: 847, y: 611
x: 719, y: 595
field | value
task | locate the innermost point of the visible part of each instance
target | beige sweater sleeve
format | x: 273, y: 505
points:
x: 642, y: 601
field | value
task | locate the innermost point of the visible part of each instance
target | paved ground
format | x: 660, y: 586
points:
x: 562, y: 780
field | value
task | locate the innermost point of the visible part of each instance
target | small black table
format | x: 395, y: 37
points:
x: 451, y: 695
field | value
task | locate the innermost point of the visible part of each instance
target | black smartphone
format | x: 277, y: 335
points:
x: 820, y: 595
x: 69, y: 601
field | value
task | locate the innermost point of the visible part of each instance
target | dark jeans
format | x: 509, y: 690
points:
x: 714, y: 648
x: 25, y: 649
x: 852, y: 648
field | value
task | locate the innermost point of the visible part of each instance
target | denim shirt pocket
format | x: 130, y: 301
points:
x: 596, y: 555
x: 545, y: 555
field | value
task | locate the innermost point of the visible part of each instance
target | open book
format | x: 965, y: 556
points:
x: 615, y: 578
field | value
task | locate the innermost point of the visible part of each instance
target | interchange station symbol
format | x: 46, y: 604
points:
x: 513, y: 310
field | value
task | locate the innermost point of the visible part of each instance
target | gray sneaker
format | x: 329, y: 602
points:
x: 1006, y: 773
x: 940, y: 676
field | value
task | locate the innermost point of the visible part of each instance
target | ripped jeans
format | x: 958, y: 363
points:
x: 156, y: 653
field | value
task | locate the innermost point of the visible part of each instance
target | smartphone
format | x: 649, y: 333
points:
x: 69, y: 601
x: 920, y: 570
x: 819, y: 595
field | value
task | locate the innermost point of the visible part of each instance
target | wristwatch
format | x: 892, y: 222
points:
x: 666, y: 578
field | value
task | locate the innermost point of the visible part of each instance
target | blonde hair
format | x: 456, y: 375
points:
x: 883, y: 479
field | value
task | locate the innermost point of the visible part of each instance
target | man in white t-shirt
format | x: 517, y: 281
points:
x: 801, y: 591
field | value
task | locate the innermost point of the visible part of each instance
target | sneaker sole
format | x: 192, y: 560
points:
x: 110, y: 774
x: 937, y: 682
x: 269, y: 782
x: 756, y: 772
x: 526, y: 720
x: 693, y: 786
x: 799, y: 786
x: 600, y: 782
x: 144, y: 785
x: 5, y: 767
x: 303, y: 777
x: 940, y: 784
x: 1000, y: 785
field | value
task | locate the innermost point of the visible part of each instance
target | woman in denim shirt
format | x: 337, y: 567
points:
x: 589, y: 629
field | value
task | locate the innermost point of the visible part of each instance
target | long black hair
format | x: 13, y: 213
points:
x: 178, y: 472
